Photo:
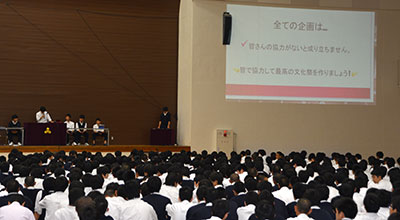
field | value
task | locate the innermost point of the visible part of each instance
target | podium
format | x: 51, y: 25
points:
x: 162, y: 136
x: 45, y: 133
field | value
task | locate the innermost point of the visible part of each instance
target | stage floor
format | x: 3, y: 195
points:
x: 97, y: 148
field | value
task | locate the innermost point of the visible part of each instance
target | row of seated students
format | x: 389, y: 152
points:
x: 75, y: 131
x: 188, y: 185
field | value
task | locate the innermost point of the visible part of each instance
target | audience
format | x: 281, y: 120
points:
x: 195, y: 186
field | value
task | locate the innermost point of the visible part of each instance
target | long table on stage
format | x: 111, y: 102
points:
x: 45, y: 133
x: 97, y: 148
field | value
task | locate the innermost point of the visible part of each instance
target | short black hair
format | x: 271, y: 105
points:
x: 69, y: 115
x: 201, y: 192
x: 371, y: 203
x: 299, y: 189
x: 12, y: 186
x: 346, y: 190
x: 42, y: 108
x: 82, y: 116
x: 74, y: 194
x: 165, y: 109
x: 185, y: 193
x: 347, y: 206
x: 251, y: 198
x: 379, y: 171
x: 61, y: 184
x: 29, y: 181
x: 239, y: 187
x: 14, y: 117
x: 16, y: 198
x: 265, y: 210
x: 154, y: 184
x: 220, y: 207
x: 101, y: 206
x: 303, y: 205
x: 396, y: 203
x: 86, y: 208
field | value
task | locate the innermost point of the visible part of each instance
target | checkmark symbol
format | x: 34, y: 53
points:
x: 244, y: 43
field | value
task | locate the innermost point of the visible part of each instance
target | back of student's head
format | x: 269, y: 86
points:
x: 303, y: 206
x: 154, y: 184
x: 251, y: 198
x: 101, y: 206
x: 185, y: 193
x: 371, y: 203
x: 97, y: 182
x: 239, y: 187
x: 202, y: 192
x: 29, y: 181
x: 346, y: 190
x: 172, y: 179
x: 61, y: 184
x: 283, y: 181
x: 299, y: 189
x: 12, y: 186
x: 220, y: 208
x: 74, y: 194
x: 16, y: 198
x: 250, y: 184
x: 132, y: 189
x: 347, y: 206
x: 215, y: 176
x: 312, y: 195
x: 49, y: 184
x: 265, y: 210
x: 86, y: 208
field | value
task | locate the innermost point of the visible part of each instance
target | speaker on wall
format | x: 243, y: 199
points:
x: 227, y: 28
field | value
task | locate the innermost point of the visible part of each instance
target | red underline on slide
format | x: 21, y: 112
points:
x: 297, y: 91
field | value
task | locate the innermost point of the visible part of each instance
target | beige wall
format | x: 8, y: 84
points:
x: 202, y: 107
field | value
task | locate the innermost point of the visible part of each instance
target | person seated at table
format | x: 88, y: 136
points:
x: 42, y: 116
x: 165, y: 119
x: 98, y: 130
x: 14, y: 123
x: 80, y: 131
x: 70, y: 127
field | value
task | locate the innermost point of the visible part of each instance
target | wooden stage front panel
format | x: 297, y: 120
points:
x: 111, y: 148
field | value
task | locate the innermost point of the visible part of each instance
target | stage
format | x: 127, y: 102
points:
x: 97, y: 148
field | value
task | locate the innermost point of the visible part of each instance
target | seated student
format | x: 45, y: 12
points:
x: 15, y: 209
x: 56, y: 200
x: 220, y: 210
x: 302, y: 209
x: 239, y: 192
x: 284, y: 193
x: 178, y: 210
x: 29, y: 189
x: 134, y: 207
x: 264, y: 210
x: 171, y: 187
x: 156, y: 200
x: 345, y: 208
x: 317, y: 213
x: 201, y: 198
x: 378, y: 181
x: 81, y: 131
x: 98, y: 130
x: 13, y: 188
x: 42, y: 116
x: 70, y: 127
x: 14, y: 123
x: 69, y: 212
x: 298, y: 191
x: 371, y: 204
x: 250, y: 203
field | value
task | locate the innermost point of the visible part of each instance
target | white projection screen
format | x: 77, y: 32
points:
x: 301, y: 55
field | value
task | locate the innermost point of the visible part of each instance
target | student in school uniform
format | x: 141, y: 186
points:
x: 14, y: 123
x: 165, y: 119
x: 80, y: 130
x: 178, y: 210
x: 98, y: 130
x: 42, y: 116
x: 70, y: 127
x: 302, y: 209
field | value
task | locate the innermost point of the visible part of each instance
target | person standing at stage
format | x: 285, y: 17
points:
x: 42, y: 116
x: 80, y: 131
x: 98, y: 130
x: 165, y: 119
x: 70, y: 127
x: 14, y: 123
